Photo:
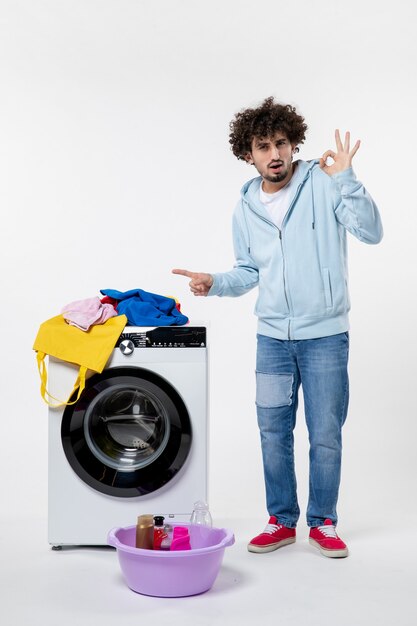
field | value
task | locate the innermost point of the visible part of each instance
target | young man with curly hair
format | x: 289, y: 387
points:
x: 289, y: 233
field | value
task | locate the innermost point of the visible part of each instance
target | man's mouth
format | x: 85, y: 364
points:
x: 276, y: 166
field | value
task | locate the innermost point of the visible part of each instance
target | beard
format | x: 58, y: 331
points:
x: 277, y: 178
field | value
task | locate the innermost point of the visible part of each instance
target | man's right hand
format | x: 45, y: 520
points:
x: 200, y: 283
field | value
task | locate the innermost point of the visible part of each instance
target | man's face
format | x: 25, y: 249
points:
x: 272, y: 157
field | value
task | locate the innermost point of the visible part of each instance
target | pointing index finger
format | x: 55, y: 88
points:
x: 183, y: 273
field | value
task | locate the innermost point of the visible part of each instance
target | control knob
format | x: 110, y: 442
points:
x: 127, y: 347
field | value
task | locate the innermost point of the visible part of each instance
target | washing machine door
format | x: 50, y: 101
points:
x: 129, y: 433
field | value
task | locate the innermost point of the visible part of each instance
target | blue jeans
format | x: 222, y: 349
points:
x: 320, y: 366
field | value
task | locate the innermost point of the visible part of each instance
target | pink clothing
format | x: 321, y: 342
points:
x: 86, y: 313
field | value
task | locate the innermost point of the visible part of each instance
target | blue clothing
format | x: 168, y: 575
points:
x: 320, y: 365
x: 302, y: 269
x: 143, y: 308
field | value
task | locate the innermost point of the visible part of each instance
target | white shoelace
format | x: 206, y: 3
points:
x: 271, y: 528
x: 328, y: 531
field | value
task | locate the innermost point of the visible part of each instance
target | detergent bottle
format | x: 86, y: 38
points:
x: 144, y: 532
x: 161, y: 538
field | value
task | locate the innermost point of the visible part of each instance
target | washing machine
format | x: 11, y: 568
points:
x: 136, y: 440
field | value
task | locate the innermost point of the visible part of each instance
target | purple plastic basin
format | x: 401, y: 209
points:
x: 173, y: 574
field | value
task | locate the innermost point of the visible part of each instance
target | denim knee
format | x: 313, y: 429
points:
x: 274, y: 390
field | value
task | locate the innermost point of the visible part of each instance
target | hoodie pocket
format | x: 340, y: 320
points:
x: 327, y: 287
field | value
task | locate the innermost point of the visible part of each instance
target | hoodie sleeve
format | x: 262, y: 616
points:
x: 355, y: 209
x: 244, y: 275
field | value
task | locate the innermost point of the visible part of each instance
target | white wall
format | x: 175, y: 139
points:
x: 115, y: 167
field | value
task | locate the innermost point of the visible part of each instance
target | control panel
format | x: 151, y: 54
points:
x: 163, y: 337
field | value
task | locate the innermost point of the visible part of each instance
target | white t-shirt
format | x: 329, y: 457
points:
x: 277, y: 203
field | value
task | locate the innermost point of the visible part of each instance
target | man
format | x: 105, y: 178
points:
x: 289, y: 231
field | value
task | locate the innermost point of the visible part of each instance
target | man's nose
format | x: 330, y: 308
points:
x: 275, y: 153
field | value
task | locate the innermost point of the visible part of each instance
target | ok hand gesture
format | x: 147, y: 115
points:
x: 200, y: 282
x: 342, y: 159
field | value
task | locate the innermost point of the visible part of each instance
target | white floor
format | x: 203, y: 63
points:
x: 295, y: 585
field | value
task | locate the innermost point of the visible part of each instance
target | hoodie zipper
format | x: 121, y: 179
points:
x: 280, y: 230
x: 285, y: 284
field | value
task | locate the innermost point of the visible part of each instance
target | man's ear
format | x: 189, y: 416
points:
x: 248, y: 158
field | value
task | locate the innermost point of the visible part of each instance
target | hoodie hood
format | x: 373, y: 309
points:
x: 301, y: 173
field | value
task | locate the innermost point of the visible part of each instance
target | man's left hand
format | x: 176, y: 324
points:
x: 342, y: 159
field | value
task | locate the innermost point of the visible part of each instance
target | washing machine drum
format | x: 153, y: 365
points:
x: 129, y: 434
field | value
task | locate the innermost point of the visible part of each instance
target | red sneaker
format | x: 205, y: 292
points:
x: 273, y: 537
x: 325, y: 538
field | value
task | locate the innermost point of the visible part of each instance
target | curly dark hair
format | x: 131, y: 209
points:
x: 265, y: 121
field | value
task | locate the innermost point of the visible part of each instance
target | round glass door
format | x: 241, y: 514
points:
x: 128, y: 434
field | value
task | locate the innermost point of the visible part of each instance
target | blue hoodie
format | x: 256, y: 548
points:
x: 301, y: 269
